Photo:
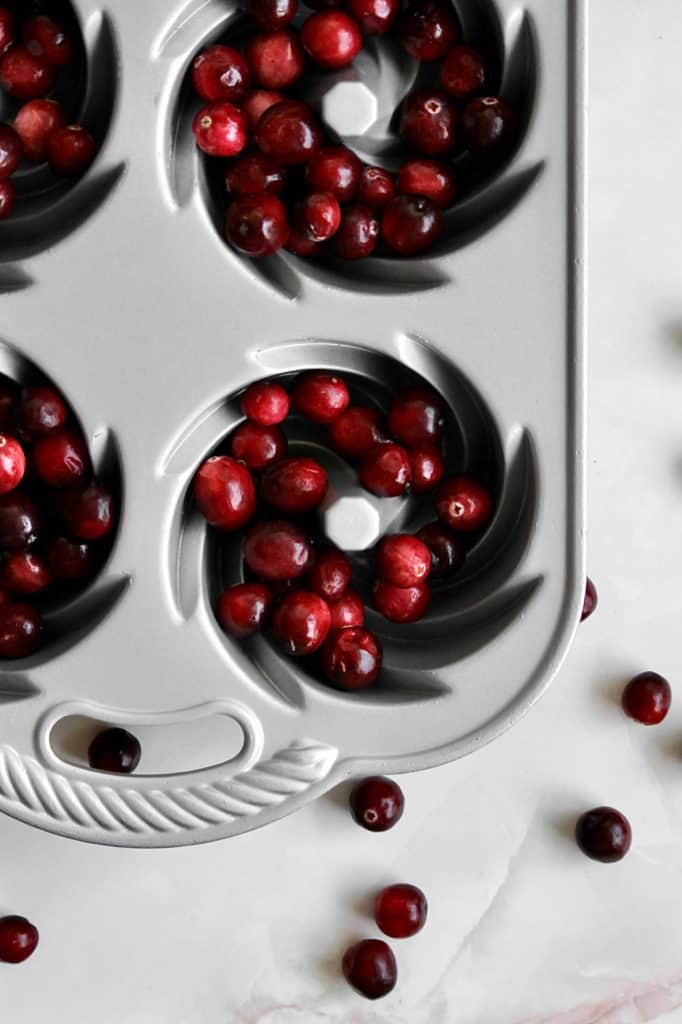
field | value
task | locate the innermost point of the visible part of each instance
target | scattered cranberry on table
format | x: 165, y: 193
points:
x: 114, y: 750
x: 377, y: 803
x: 370, y: 968
x: 647, y: 698
x: 18, y: 939
x: 400, y: 910
x: 590, y: 600
x: 604, y: 834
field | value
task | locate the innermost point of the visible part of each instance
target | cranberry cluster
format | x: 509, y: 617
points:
x: 54, y: 518
x: 32, y: 54
x: 289, y: 184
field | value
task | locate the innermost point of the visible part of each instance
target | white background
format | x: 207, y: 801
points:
x: 523, y: 929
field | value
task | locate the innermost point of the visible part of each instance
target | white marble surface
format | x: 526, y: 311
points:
x: 523, y: 929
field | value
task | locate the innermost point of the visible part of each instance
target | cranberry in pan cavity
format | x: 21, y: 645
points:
x: 301, y: 246
x: 41, y: 410
x: 47, y: 39
x: 220, y: 73
x: 401, y: 604
x: 351, y: 658
x: 70, y: 559
x: 6, y: 28
x: 257, y: 102
x: 385, y: 470
x: 20, y: 630
x: 225, y: 493
x: 430, y: 178
x: 275, y: 58
x: 22, y: 572
x: 301, y: 622
x: 243, y: 609
x: 8, y: 195
x: 320, y: 397
x: 330, y: 575
x: 335, y: 169
x: 403, y: 560
x: 358, y: 233
x: 427, y: 468
x: 317, y: 216
x: 257, y: 446
x: 590, y: 600
x: 427, y: 122
x: 411, y: 224
x: 25, y: 76
x: 61, y: 459
x: 12, y: 463
x: 463, y: 72
x: 252, y: 173
x: 376, y: 187
x: 19, y: 521
x: 428, y: 28
x: 289, y: 132
x: 35, y: 123
x: 375, y: 17
x: 277, y: 550
x: 70, y: 150
x: 357, y: 430
x: 294, y: 486
x: 447, y: 549
x: 417, y: 417
x: 463, y: 504
x: 89, y: 512
x: 220, y: 129
x: 488, y: 126
x: 257, y: 225
x: 265, y: 402
x: 332, y: 39
x: 11, y: 150
x: 349, y: 610
x: 272, y: 14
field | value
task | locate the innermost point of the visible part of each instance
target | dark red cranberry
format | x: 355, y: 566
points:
x: 447, y: 549
x: 488, y: 126
x: 220, y: 73
x: 11, y: 151
x: 377, y: 803
x: 19, y: 521
x: 61, y: 459
x: 257, y: 446
x: 427, y: 468
x: 301, y: 623
x: 320, y: 397
x: 289, y: 132
x: 358, y: 233
x: 220, y: 129
x: 70, y: 150
x: 24, y: 573
x: 604, y: 834
x: 318, y: 216
x: 400, y: 910
x: 335, y: 169
x: 114, y: 750
x: 277, y: 550
x: 89, y: 512
x: 385, y: 470
x: 331, y: 38
x: 590, y: 600
x: 463, y: 73
x: 70, y: 559
x: 225, y: 493
x: 647, y: 698
x: 41, y: 410
x: 401, y: 604
x: 243, y: 609
x: 25, y: 76
x: 35, y: 123
x: 351, y: 658
x: 6, y: 28
x: 18, y: 939
x: 417, y: 417
x: 376, y: 187
x: 411, y: 224
x: 357, y: 430
x: 294, y: 486
x: 20, y: 630
x: 427, y: 29
x: 427, y: 122
x: 374, y: 17
x: 9, y: 395
x: 252, y: 173
x: 8, y: 195
x: 299, y: 245
x: 257, y: 102
x: 430, y: 178
x: 463, y: 504
x: 349, y: 610
x: 272, y: 14
x: 265, y: 402
x: 370, y: 968
x: 330, y: 575
x: 257, y: 225
x: 46, y: 38
x: 276, y: 59
x: 403, y: 560
x: 12, y: 463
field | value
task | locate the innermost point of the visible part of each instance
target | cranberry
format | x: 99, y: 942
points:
x: 377, y: 803
x: 252, y: 173
x: 417, y: 417
x: 330, y: 575
x: 20, y: 630
x: 376, y: 187
x: 24, y: 573
x: 427, y: 468
x: 19, y: 521
x: 427, y: 29
x: 89, y: 512
x: 25, y: 76
x: 385, y: 470
x: 220, y: 73
x: 430, y: 178
x: 411, y: 224
x: 301, y: 623
x: 463, y: 504
x: 41, y: 410
x: 12, y: 463
x: 7, y: 197
x: 604, y: 834
x: 358, y: 233
x: 35, y: 122
x: 276, y: 59
x: 6, y: 28
x: 320, y: 397
x: 257, y: 446
x: 370, y: 968
x: 318, y: 216
x: 243, y: 609
x: 277, y: 550
x: 294, y: 486
x: 266, y: 403
x: 400, y: 910
x: 70, y: 559
x: 590, y: 600
x: 47, y: 39
x: 289, y: 132
x: 257, y: 102
x: 299, y: 245
x: 257, y: 225
x: 349, y: 610
x: 447, y: 549
x: 647, y: 698
x: 488, y: 125
x: 357, y: 430
x: 8, y: 400
x: 401, y: 604
x: 374, y: 17
x: 70, y: 150
x: 427, y: 122
x: 225, y: 493
x: 114, y: 750
x: 11, y: 151
x: 220, y: 129
x: 331, y: 38
x: 351, y: 658
x: 463, y: 72
x: 403, y: 560
x: 18, y: 939
x: 272, y: 14
x: 335, y: 169
x: 61, y: 459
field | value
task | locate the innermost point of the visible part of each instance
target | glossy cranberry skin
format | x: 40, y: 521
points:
x: 318, y: 216
x: 243, y: 609
x: 61, y: 459
x: 336, y: 170
x: 8, y: 195
x: 115, y: 751
x: 70, y: 150
x: 12, y: 463
x: 400, y: 910
x: 358, y: 233
x: 70, y: 559
x: 257, y: 102
x: 447, y: 549
x: 351, y: 658
x: 590, y: 600
x: 330, y: 576
x: 357, y: 430
x: 289, y: 132
x: 46, y: 38
x: 265, y: 402
x: 24, y: 573
x: 463, y: 504
x: 6, y: 28
x: 277, y: 550
x: 272, y: 14
x: 18, y: 939
x: 220, y: 73
x: 463, y: 73
x: 257, y: 225
x: 225, y: 493
x: 417, y: 417
x: 331, y: 38
x: 20, y: 630
x: 89, y: 512
x: 349, y: 610
x: 41, y: 410
x: 427, y: 468
x: 294, y: 486
x: 257, y: 446
x: 375, y: 17
x: 19, y: 521
x: 401, y: 604
x: 376, y: 187
x: 320, y: 397
x: 403, y: 560
x: 301, y: 623
x: 430, y: 178
x: 25, y: 76
x: 301, y: 246
x: 220, y: 129
x: 377, y: 803
x: 276, y: 59
x: 647, y: 698
x: 603, y: 834
x: 35, y: 123
x: 488, y: 126
x: 370, y: 968
x: 11, y: 151
x: 411, y: 224
x: 427, y: 29
x: 427, y: 122
x: 385, y: 470
x: 252, y: 173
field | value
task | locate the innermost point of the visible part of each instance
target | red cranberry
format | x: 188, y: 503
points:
x: 20, y: 630
x: 430, y: 178
x: 299, y: 245
x: 488, y: 125
x: 377, y: 803
x: 89, y: 512
x: 374, y: 17
x: 349, y: 610
x: 335, y: 169
x: 590, y: 600
x: 403, y: 560
x: 330, y: 575
x: 604, y: 834
x: 427, y: 29
x: 358, y: 233
x: 272, y: 14
x: 370, y: 968
x: 417, y: 417
x: 35, y: 123
x: 6, y: 28
x: 257, y: 446
x: 276, y: 59
x: 19, y: 521
x: 70, y: 559
x: 294, y: 486
x: 318, y: 216
x: 41, y: 410
x: 447, y: 549
x: 225, y: 493
x: 47, y: 39
x: 18, y: 939
x: 257, y: 225
x: 385, y: 470
x: 61, y: 459
x: 331, y: 38
x: 411, y: 224
x: 647, y: 698
x: 114, y: 750
x: 220, y: 129
x: 25, y: 76
x: 357, y: 430
x: 243, y: 609
x: 463, y: 504
x: 7, y: 197
x: 289, y: 132
x: 257, y: 102
x: 301, y: 623
x: 12, y: 463
x: 427, y: 468
x: 11, y: 151
x: 252, y: 173
x: 376, y: 187
x: 351, y: 658
x: 400, y: 910
x: 220, y: 73
x: 70, y: 150
x: 401, y: 604
x: 427, y: 122
x: 266, y: 403
x: 463, y: 72
x: 320, y: 397
x: 277, y: 550
x: 24, y: 573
